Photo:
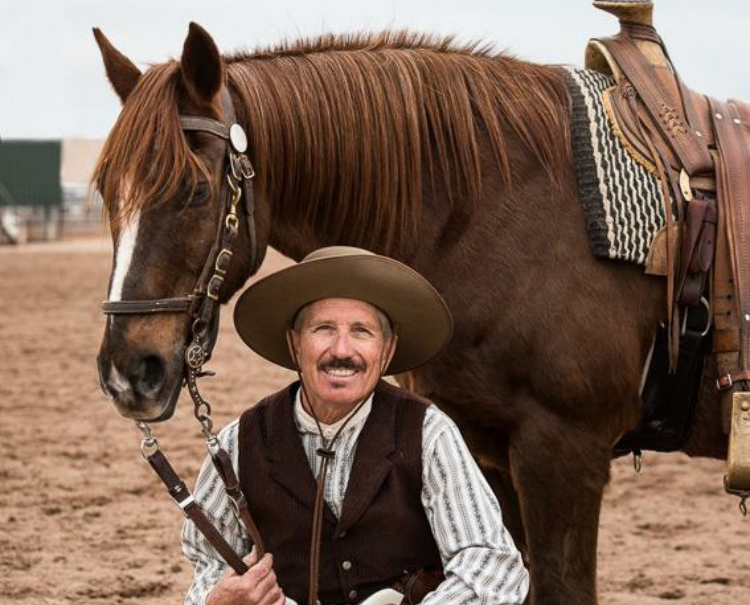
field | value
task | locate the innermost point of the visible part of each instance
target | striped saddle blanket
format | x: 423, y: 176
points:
x: 622, y: 200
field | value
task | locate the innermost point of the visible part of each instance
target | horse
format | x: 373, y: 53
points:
x: 454, y: 159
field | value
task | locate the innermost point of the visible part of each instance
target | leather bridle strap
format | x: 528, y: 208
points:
x: 184, y: 499
x: 144, y: 307
x: 239, y: 176
x: 205, y: 125
x: 223, y: 465
x: 202, y: 306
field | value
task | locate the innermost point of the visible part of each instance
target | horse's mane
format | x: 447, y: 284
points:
x: 344, y: 128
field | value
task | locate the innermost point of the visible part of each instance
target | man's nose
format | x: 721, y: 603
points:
x: 342, y: 345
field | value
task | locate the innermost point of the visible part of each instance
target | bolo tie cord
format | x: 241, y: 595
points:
x: 327, y: 453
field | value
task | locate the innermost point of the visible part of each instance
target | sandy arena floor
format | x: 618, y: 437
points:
x: 83, y: 520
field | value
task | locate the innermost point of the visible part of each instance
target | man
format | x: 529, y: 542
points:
x: 397, y: 490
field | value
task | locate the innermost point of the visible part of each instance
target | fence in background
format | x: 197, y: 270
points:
x: 34, y: 205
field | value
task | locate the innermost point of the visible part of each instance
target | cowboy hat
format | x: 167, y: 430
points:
x: 419, y: 315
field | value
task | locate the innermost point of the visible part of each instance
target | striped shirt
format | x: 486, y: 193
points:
x: 481, y: 563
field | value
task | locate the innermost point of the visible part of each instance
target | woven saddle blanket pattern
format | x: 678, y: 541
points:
x: 622, y: 200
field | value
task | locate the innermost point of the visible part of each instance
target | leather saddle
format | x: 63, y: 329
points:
x: 700, y: 149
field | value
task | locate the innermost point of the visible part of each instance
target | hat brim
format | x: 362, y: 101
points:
x: 420, y: 316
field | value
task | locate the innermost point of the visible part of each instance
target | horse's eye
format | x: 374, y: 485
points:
x: 200, y: 194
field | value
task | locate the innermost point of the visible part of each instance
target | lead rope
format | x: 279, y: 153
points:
x: 151, y: 451
x: 327, y: 453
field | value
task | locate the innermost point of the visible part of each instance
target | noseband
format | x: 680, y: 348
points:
x: 202, y: 305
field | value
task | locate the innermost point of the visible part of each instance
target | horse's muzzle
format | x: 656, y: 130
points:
x: 142, y: 387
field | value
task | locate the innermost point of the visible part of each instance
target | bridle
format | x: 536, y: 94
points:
x: 202, y: 305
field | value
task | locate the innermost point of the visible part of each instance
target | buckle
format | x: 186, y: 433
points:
x: 214, y: 285
x: 241, y: 168
x: 222, y: 261
x: 724, y: 382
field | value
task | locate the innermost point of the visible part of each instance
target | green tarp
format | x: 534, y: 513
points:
x: 30, y: 173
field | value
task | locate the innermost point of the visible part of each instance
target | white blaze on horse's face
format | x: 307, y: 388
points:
x: 124, y: 256
x: 116, y: 383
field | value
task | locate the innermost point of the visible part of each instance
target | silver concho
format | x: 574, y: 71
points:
x: 195, y: 356
x: 238, y: 138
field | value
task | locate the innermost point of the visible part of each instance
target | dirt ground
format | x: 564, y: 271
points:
x: 83, y: 519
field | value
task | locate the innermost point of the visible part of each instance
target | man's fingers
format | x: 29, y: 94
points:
x: 275, y: 596
x: 265, y: 586
x: 229, y: 572
x: 251, y: 558
x: 260, y: 569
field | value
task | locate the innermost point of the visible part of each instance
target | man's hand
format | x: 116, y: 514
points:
x: 256, y: 587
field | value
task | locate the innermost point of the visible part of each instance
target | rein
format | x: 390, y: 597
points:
x: 202, y: 305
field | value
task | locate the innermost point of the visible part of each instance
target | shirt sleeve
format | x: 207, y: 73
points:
x: 481, y: 563
x: 208, y: 566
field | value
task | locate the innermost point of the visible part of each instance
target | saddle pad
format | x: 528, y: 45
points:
x: 622, y: 200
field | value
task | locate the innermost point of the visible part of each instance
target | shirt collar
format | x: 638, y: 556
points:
x: 306, y: 423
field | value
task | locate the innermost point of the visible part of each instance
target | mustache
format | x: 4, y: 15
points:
x: 345, y: 363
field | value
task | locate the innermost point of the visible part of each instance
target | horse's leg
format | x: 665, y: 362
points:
x: 560, y: 470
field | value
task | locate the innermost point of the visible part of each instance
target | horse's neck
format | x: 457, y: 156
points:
x: 295, y: 240
x: 330, y: 176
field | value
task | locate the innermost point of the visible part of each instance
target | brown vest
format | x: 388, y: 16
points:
x: 383, y: 530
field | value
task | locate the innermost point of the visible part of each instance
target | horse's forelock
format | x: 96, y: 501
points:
x: 146, y: 159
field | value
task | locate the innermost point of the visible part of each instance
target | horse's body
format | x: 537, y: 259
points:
x: 471, y: 183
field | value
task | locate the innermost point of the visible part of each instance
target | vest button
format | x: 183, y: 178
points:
x: 346, y: 565
x: 353, y: 595
x: 342, y: 534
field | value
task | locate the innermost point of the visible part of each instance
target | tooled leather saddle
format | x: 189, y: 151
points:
x: 700, y: 149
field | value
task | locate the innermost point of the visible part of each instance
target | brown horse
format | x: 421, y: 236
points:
x: 453, y: 159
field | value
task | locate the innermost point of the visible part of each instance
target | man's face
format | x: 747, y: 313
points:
x: 342, y: 351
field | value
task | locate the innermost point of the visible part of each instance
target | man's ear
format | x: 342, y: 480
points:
x: 292, y: 341
x: 201, y: 66
x: 122, y: 73
x: 390, y: 352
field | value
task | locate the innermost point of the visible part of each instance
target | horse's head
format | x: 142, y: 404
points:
x: 164, y: 175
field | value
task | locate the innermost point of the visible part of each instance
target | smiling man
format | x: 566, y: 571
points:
x: 357, y: 487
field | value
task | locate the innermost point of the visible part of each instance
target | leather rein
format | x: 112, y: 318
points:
x: 202, y: 305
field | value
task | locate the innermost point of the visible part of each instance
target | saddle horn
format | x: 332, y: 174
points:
x: 633, y: 11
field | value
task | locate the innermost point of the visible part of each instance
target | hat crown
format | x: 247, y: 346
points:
x: 336, y: 252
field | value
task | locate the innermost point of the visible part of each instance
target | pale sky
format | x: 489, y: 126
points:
x: 52, y: 81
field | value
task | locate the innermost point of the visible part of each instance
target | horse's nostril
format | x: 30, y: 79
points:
x: 149, y: 375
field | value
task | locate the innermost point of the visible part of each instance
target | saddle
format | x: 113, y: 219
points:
x: 700, y: 149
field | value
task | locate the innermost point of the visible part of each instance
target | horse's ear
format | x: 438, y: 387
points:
x: 202, y: 66
x: 121, y: 71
